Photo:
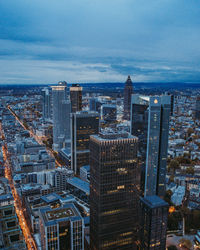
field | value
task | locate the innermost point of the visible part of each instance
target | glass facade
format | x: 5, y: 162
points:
x: 83, y: 125
x: 153, y: 221
x: 114, y: 185
x: 197, y: 108
x: 76, y: 98
x: 61, y: 116
x: 150, y: 122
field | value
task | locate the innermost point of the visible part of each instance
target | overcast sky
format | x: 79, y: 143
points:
x: 45, y: 41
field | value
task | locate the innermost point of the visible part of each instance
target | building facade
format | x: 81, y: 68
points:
x: 76, y: 97
x: 95, y: 104
x: 11, y: 236
x: 153, y: 221
x: 61, y: 116
x: 109, y: 113
x: 197, y: 108
x: 83, y: 124
x: 46, y: 103
x: 61, y: 228
x: 150, y: 122
x: 128, y: 91
x: 114, y: 185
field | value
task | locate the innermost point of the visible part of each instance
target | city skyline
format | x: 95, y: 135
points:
x: 44, y: 42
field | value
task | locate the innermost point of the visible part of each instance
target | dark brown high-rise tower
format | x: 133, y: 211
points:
x: 76, y: 97
x: 128, y: 91
x: 114, y: 185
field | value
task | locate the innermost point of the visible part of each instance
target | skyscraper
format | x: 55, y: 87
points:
x: 153, y: 221
x: 114, y: 184
x: 128, y: 91
x: 46, y: 103
x: 150, y: 122
x: 197, y: 108
x: 61, y: 116
x: 83, y: 124
x: 95, y: 104
x: 76, y: 97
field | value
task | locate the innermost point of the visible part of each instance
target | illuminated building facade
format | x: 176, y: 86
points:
x: 83, y: 124
x: 11, y: 236
x: 114, y: 185
x: 61, y: 116
x: 154, y: 213
x: 128, y: 91
x: 150, y: 122
x: 76, y: 97
x: 61, y: 228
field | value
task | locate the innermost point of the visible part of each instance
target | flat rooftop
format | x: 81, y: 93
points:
x: 107, y: 136
x: 52, y: 216
x: 50, y: 198
x: 59, y: 213
x: 80, y: 184
x: 154, y: 201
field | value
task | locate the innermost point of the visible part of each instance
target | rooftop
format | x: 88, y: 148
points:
x: 52, y: 216
x: 154, y: 201
x: 59, y: 213
x: 111, y: 135
x: 80, y: 184
x: 50, y: 198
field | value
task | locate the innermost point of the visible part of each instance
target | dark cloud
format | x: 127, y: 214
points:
x: 153, y: 40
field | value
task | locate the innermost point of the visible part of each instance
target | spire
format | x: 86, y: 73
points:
x: 128, y: 81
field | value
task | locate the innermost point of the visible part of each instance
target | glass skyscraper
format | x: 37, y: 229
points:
x: 46, y: 103
x: 153, y: 221
x: 150, y: 122
x: 83, y: 124
x: 61, y: 116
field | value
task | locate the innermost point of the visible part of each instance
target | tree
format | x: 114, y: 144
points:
x: 190, y: 170
x: 167, y: 197
x: 190, y: 131
x: 172, y: 247
x: 186, y: 243
x: 174, y: 164
x: 171, y: 178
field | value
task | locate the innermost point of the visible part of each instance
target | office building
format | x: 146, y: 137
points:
x: 76, y: 97
x: 172, y: 102
x: 95, y: 104
x: 61, y: 116
x: 108, y: 113
x: 46, y: 103
x: 150, y: 122
x: 153, y: 221
x: 11, y: 236
x: 83, y: 124
x: 61, y: 228
x: 128, y: 91
x: 197, y: 108
x: 114, y: 188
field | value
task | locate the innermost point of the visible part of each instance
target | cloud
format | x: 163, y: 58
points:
x: 155, y: 40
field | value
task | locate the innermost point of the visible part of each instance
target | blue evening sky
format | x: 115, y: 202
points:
x: 44, y: 41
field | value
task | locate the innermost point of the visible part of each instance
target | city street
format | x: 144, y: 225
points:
x: 17, y: 201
